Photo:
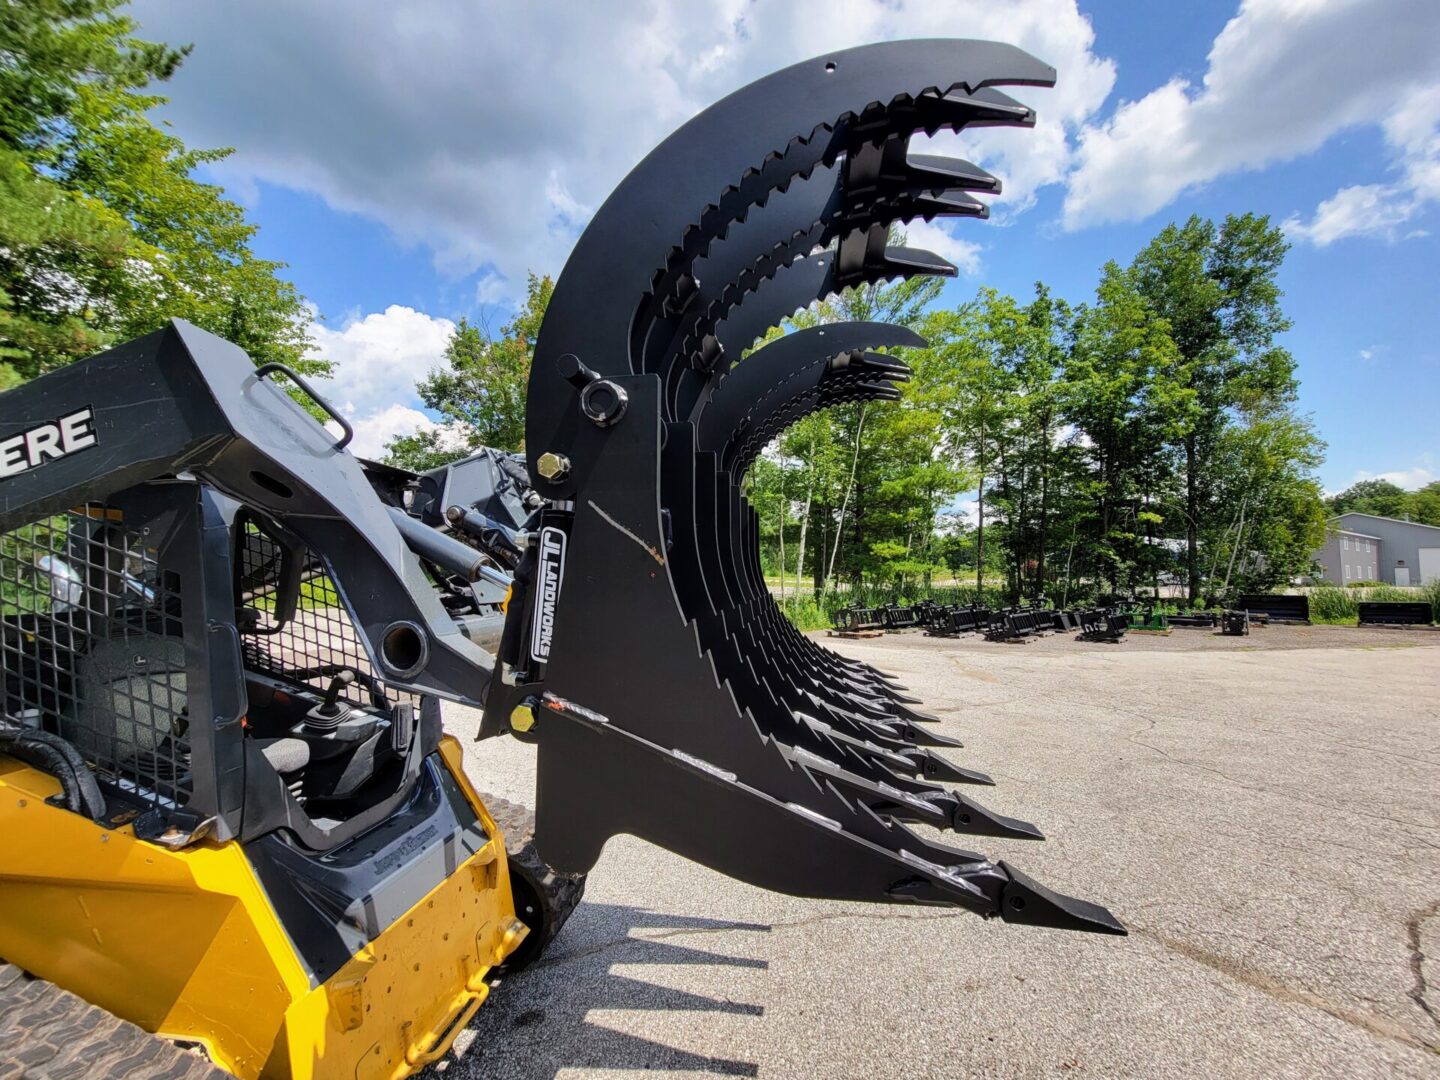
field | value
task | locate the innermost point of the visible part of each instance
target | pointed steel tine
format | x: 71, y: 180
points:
x: 949, y: 204
x: 990, y: 106
x: 950, y: 172
x: 903, y: 709
x: 1026, y: 901
x: 919, y: 736
x: 875, y: 391
x: 924, y: 737
x: 971, y: 817
x: 908, y: 261
x: 871, y: 361
x: 935, y: 767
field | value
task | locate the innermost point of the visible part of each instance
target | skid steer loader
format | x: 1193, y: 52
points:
x: 233, y: 833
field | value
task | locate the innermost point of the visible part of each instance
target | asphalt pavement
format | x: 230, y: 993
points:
x: 1264, y: 815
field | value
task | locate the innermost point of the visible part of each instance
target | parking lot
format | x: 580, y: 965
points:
x: 1262, y: 812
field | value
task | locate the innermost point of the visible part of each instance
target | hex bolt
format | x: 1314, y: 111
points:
x: 552, y: 466
x: 522, y: 717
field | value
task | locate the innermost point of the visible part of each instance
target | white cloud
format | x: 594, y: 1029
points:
x: 374, y: 431
x: 1284, y: 76
x: 377, y: 361
x: 489, y: 132
x: 1412, y: 135
x: 1412, y: 479
x: 932, y: 236
x: 492, y: 288
x: 1371, y: 354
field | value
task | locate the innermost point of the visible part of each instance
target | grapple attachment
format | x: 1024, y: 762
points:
x: 668, y: 696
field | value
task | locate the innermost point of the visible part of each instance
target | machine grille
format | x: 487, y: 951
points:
x: 319, y: 642
x: 93, y: 649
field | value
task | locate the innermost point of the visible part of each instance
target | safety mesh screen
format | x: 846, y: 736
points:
x: 319, y: 642
x: 93, y: 648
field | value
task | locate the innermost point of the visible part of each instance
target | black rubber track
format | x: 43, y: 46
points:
x: 47, y: 1033
x: 544, y: 898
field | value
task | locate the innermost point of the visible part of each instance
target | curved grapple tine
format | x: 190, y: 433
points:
x: 734, y: 394
x: 670, y: 697
x: 713, y: 169
x: 797, y: 285
x: 812, y: 212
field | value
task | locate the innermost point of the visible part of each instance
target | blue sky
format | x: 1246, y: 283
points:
x: 411, y: 166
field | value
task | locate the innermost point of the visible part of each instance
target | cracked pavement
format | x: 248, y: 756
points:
x: 1263, y: 813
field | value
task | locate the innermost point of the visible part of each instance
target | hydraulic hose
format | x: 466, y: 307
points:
x: 52, y: 754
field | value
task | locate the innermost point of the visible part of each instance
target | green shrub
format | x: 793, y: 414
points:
x: 1332, y: 604
x: 1365, y: 584
x: 804, y: 612
x: 809, y: 612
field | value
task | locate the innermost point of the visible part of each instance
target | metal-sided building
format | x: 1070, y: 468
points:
x: 1364, y: 547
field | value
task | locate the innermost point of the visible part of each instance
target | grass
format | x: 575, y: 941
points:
x: 1329, y: 604
x: 808, y: 612
x: 1334, y: 605
x: 315, y: 592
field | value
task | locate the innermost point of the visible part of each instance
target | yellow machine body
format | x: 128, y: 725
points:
x: 186, y: 944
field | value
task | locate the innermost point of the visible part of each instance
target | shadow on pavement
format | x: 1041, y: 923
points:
x: 536, y: 1022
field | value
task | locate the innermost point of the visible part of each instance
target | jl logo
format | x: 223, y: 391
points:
x: 549, y: 574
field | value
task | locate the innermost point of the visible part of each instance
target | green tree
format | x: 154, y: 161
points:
x: 1266, y: 468
x: 54, y: 47
x: 975, y: 418
x: 479, y: 392
x: 1216, y: 289
x: 1425, y: 504
x: 1379, y: 497
x: 1116, y: 393
x: 195, y: 243
x: 58, y: 249
x: 104, y: 230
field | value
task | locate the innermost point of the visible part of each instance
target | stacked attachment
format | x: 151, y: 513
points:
x: 1395, y: 613
x: 1235, y: 623
x: 668, y: 696
x: 1276, y: 607
x: 1102, y: 624
x: 954, y: 621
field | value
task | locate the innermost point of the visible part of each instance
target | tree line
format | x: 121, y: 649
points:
x: 1383, y: 498
x: 1147, y: 436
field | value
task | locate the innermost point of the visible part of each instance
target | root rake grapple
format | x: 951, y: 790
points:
x: 219, y: 626
x: 764, y: 755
